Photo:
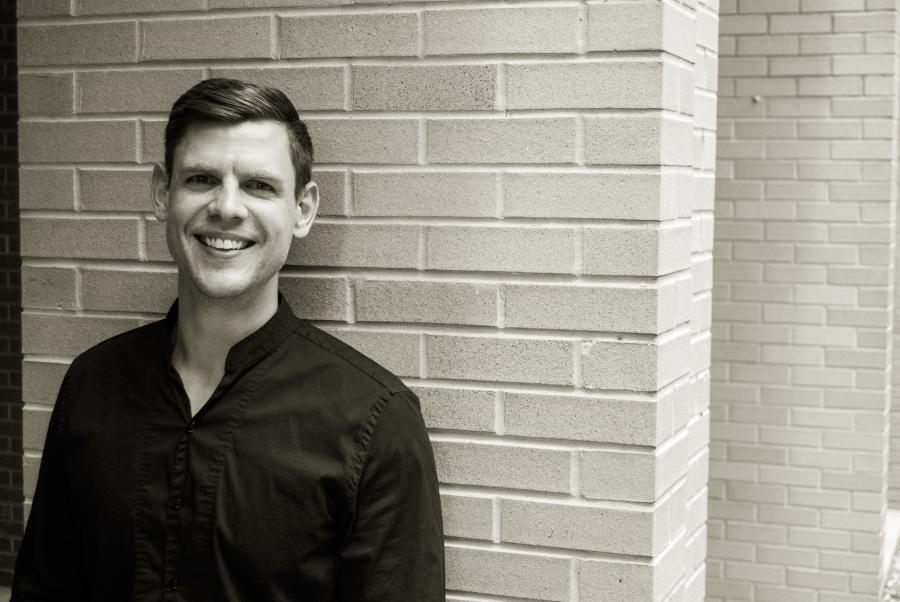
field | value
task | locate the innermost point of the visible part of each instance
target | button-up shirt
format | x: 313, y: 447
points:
x: 308, y: 475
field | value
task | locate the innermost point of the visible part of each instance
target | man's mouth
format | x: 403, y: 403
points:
x: 224, y: 244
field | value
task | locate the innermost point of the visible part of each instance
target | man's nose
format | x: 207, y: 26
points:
x: 228, y: 203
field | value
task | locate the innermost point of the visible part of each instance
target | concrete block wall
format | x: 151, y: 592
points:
x: 802, y: 352
x: 517, y: 220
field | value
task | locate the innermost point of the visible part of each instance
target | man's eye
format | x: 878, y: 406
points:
x: 200, y: 179
x: 260, y: 186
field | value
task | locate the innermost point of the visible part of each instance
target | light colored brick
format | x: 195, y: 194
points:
x: 520, y: 140
x: 206, y: 38
x: 590, y: 528
x: 45, y: 94
x: 46, y: 188
x: 369, y: 245
x: 364, y: 140
x: 115, y: 189
x: 152, y: 134
x: 586, y: 86
x: 80, y: 238
x: 315, y: 298
x: 133, y: 91
x: 385, y: 34
x: 628, y: 476
x: 77, y: 142
x: 641, y: 140
x: 636, y: 251
x: 425, y: 301
x: 635, y: 366
x: 111, y: 42
x: 68, y: 335
x: 506, y: 466
x: 507, y: 573
x: 309, y: 88
x: 43, y: 8
x: 431, y: 88
x: 128, y: 290
x: 397, y: 351
x: 48, y: 288
x: 467, y: 516
x: 424, y: 193
x: 490, y: 249
x: 105, y: 7
x: 803, y: 23
x: 508, y: 359
x: 453, y: 408
x: 501, y: 30
x: 620, y: 26
x: 41, y: 381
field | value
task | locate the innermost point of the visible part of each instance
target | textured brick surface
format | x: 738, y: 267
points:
x: 516, y: 218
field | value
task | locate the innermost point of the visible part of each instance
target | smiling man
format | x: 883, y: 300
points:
x: 233, y: 451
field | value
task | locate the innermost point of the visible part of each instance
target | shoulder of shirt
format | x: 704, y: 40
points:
x: 350, y: 358
x: 115, y: 348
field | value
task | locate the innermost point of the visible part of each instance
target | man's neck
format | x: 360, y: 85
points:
x: 208, y: 328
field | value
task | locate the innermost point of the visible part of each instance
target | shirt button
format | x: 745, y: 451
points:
x: 173, y: 583
x: 190, y: 426
x: 176, y: 503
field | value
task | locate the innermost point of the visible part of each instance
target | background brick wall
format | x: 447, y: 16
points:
x: 517, y: 219
x: 804, y: 290
x: 10, y: 291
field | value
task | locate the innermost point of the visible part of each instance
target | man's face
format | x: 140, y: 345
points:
x: 230, y: 208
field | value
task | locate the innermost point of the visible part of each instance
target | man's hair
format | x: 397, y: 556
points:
x: 232, y: 101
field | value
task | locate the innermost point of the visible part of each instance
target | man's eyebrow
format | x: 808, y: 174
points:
x: 198, y: 167
x: 262, y: 174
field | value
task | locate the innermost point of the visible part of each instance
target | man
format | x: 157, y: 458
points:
x: 232, y: 451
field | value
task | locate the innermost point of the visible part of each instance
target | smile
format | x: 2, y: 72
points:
x: 224, y: 244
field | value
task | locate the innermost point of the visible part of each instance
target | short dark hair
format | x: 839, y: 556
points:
x: 220, y: 100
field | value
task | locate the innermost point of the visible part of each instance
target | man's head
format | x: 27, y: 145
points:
x: 230, y: 101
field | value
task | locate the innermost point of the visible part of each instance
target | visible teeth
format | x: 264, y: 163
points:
x: 225, y: 244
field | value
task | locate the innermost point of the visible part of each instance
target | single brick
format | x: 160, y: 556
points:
x: 242, y: 37
x: 41, y: 380
x: 365, y: 140
x: 624, y: 195
x: 595, y: 308
x: 309, y: 88
x: 424, y: 193
x: 316, y: 298
x: 506, y: 249
x: 506, y: 466
x: 594, y: 85
x: 152, y: 140
x: 77, y: 142
x: 364, y: 245
x: 500, y: 572
x: 157, y: 250
x: 48, y: 288
x: 71, y: 238
x: 501, y: 30
x: 426, y: 302
x: 383, y: 34
x: 583, y: 418
x: 579, y: 527
x: 616, y: 26
x: 35, y: 421
x: 431, y: 88
x: 43, y: 8
x: 115, y: 189
x: 67, y: 335
x: 46, y: 188
x: 512, y: 359
x: 45, y: 94
x: 105, y: 7
x: 635, y: 366
x: 637, y: 251
x: 133, y: 91
x: 638, y: 139
x: 614, y: 580
x: 467, y: 516
x: 520, y: 140
x: 128, y: 290
x: 457, y: 409
x: 112, y: 42
x: 396, y: 351
x: 332, y: 192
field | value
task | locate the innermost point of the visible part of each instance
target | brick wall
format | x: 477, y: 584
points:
x: 10, y: 291
x: 517, y: 210
x: 804, y: 290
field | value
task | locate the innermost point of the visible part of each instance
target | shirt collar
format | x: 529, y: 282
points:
x: 251, y: 348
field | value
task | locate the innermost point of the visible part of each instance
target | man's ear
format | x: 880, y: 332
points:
x: 307, y: 208
x: 159, y: 192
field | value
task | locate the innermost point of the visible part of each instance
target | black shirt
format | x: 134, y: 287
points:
x: 307, y: 475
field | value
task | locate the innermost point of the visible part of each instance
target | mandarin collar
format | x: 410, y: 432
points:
x: 251, y: 348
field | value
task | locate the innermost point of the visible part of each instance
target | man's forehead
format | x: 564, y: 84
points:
x: 256, y: 144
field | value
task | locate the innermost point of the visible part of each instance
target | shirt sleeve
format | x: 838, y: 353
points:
x: 47, y: 567
x: 395, y: 549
